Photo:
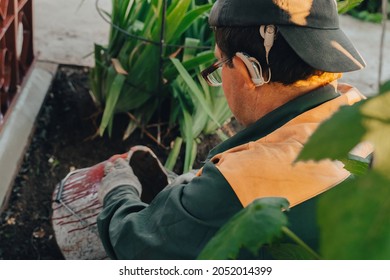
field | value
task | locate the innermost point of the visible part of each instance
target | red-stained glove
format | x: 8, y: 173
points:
x: 116, y: 174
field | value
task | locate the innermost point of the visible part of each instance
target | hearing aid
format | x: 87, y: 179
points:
x: 254, y: 68
x: 268, y: 32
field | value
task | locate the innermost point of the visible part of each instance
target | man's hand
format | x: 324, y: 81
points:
x: 116, y: 174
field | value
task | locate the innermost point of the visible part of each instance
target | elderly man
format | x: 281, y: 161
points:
x: 278, y: 62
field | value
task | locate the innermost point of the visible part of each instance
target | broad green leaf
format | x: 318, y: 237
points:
x: 257, y: 224
x: 377, y: 121
x: 377, y: 108
x: 112, y: 99
x: 379, y: 135
x: 354, y: 219
x: 367, y: 121
x: 336, y: 137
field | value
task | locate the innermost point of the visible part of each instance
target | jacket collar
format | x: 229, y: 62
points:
x: 277, y: 118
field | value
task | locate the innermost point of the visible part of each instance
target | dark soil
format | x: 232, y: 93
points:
x: 63, y: 140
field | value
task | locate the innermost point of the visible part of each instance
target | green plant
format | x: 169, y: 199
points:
x: 137, y: 72
x: 201, y: 110
x: 127, y: 76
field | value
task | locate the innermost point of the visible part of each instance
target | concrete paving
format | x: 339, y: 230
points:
x: 366, y: 37
x: 65, y: 31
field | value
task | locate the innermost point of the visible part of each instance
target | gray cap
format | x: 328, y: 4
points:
x: 311, y: 28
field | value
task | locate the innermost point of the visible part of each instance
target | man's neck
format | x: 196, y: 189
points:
x: 273, y: 95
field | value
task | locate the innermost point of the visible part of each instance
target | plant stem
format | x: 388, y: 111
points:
x: 300, y: 242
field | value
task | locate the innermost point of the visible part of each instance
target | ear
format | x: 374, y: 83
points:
x: 243, y: 73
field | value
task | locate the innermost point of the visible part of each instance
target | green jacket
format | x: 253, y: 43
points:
x: 182, y: 218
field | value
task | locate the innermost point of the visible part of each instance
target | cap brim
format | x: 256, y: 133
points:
x: 327, y: 50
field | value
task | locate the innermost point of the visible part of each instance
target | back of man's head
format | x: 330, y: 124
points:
x: 308, y: 38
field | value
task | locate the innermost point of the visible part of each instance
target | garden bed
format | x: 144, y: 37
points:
x: 63, y: 140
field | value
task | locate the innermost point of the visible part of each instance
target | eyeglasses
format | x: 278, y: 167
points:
x: 213, y: 73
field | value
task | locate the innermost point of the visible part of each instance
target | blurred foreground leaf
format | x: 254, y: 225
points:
x: 354, y: 219
x: 336, y: 137
x: 369, y: 120
x: 354, y: 216
x: 257, y: 224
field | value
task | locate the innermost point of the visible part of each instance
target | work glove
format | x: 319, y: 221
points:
x: 116, y: 174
